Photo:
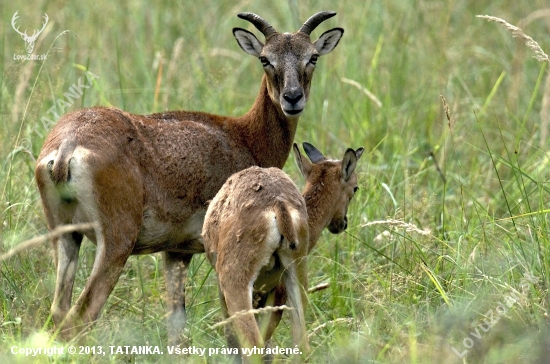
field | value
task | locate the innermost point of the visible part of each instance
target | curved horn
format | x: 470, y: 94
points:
x: 261, y: 24
x: 315, y: 20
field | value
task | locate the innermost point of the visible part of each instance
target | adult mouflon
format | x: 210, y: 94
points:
x: 145, y: 179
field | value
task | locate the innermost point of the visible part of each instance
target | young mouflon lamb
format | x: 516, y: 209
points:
x: 258, y: 231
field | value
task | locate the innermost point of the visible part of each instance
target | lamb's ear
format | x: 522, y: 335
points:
x: 328, y: 41
x: 359, y: 152
x: 303, y: 164
x: 313, y: 153
x: 248, y: 41
x: 348, y: 164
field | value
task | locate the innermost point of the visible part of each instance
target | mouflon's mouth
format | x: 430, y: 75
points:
x: 338, y: 226
x: 335, y: 229
x: 292, y: 112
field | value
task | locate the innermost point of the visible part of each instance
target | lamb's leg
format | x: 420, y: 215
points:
x: 270, y: 321
x: 230, y: 334
x: 238, y: 299
x: 295, y: 280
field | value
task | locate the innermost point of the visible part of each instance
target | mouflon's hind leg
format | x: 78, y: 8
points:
x: 113, y: 199
x: 113, y: 249
x: 66, y: 249
x: 176, y: 266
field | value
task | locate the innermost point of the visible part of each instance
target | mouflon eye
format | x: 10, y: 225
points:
x: 313, y: 59
x: 264, y: 61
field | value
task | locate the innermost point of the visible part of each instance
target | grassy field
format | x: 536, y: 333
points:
x: 447, y: 254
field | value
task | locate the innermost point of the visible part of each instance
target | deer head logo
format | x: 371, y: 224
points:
x: 30, y: 40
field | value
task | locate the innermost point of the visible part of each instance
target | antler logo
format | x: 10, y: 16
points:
x: 30, y: 40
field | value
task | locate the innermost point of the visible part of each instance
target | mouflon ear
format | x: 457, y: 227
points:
x: 313, y: 153
x: 328, y: 41
x: 359, y: 152
x: 303, y: 164
x: 248, y: 42
x: 348, y: 164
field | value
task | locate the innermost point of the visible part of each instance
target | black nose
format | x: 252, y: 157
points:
x: 293, y: 96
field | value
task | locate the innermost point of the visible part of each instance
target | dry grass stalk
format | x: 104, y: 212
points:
x: 172, y: 68
x: 319, y: 287
x: 399, y: 224
x: 446, y: 109
x: 518, y: 33
x: 215, y: 52
x: 247, y: 312
x: 545, y: 114
x: 23, y: 83
x: 537, y: 14
x: 369, y: 94
x: 43, y: 238
x: 349, y: 321
x: 539, y: 56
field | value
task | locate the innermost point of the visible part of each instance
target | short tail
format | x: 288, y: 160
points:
x: 58, y: 168
x: 285, y: 225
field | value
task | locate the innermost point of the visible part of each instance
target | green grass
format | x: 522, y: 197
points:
x: 395, y: 294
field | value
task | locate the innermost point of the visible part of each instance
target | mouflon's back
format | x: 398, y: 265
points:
x: 250, y: 202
